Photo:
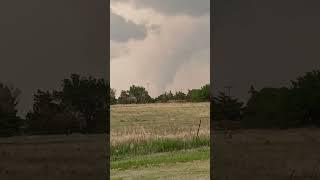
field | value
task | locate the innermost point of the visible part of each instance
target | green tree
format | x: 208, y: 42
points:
x: 162, y: 98
x: 170, y: 96
x: 205, y: 93
x: 306, y: 97
x: 80, y: 106
x: 49, y: 115
x: 88, y: 96
x: 10, y: 123
x: 180, y: 96
x: 226, y: 108
x: 194, y: 95
x: 123, y: 98
x: 113, y: 99
x: 271, y: 108
x: 199, y: 95
x: 140, y: 93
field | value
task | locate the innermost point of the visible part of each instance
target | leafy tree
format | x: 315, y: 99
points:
x: 43, y: 110
x: 165, y: 97
x: 80, y: 106
x: 113, y: 99
x: 140, y: 93
x: 271, y: 108
x: 49, y: 115
x: 205, y: 93
x: 194, y: 95
x: 199, y: 95
x: 306, y: 96
x: 123, y: 98
x: 179, y: 96
x: 226, y: 108
x: 10, y: 123
x: 88, y: 96
x: 170, y: 96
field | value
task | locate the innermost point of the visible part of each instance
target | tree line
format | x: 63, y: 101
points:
x: 297, y: 105
x: 80, y: 106
x: 139, y: 95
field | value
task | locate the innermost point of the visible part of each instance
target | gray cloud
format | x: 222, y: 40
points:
x: 173, y: 55
x: 122, y: 30
x: 158, y: 58
x: 173, y: 7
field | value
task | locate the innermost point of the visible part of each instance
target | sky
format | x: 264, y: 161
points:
x: 159, y: 44
x: 264, y: 43
x: 165, y: 43
x: 44, y: 41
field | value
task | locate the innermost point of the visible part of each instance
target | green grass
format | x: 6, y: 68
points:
x: 162, y: 158
x: 129, y: 150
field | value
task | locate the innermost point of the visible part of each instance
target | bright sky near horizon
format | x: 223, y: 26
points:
x: 165, y: 44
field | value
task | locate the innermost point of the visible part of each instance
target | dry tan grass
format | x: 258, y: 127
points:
x: 142, y: 135
x: 134, y: 123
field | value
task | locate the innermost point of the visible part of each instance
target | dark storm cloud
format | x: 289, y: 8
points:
x: 44, y: 41
x: 174, y: 7
x: 265, y: 43
x: 122, y: 30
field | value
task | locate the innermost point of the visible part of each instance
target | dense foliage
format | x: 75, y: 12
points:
x: 226, y: 108
x: 10, y: 123
x: 285, y: 107
x: 81, y: 106
x: 139, y: 95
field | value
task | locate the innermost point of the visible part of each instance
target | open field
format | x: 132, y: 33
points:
x: 148, y: 139
x: 80, y: 157
x: 166, y: 128
x: 268, y: 154
x: 163, y: 120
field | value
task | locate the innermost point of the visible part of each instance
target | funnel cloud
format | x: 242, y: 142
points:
x: 173, y: 55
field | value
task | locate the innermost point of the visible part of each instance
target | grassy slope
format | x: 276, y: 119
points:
x: 140, y: 132
x: 157, y: 159
x: 190, y: 164
x: 122, y: 151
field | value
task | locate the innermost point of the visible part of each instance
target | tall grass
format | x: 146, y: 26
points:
x: 161, y: 158
x: 130, y: 149
x: 140, y: 134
